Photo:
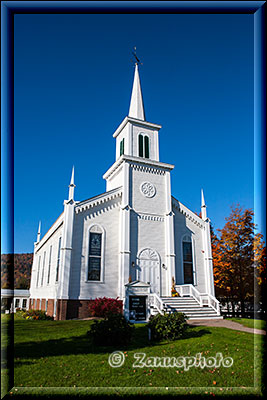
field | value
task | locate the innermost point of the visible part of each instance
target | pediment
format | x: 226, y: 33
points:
x: 137, y: 284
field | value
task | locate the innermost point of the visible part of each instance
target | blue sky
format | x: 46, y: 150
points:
x: 73, y: 80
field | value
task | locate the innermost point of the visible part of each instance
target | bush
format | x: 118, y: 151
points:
x: 114, y: 330
x: 167, y: 326
x: 36, y: 315
x: 103, y: 306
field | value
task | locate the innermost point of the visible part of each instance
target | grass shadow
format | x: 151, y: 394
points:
x: 82, y: 344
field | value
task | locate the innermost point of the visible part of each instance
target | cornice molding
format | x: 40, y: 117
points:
x: 98, y: 200
x: 188, y: 213
x: 56, y: 225
x: 135, y: 121
x: 141, y: 163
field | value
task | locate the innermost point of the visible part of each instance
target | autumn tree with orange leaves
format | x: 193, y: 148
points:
x: 238, y: 257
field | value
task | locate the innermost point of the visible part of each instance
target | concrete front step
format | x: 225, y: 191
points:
x: 190, y: 307
x: 179, y: 299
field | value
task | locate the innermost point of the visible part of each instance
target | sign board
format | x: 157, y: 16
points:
x: 137, y: 308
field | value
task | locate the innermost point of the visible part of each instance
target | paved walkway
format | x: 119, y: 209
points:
x: 224, y: 323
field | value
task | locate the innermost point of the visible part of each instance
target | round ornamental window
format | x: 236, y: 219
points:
x: 148, y: 189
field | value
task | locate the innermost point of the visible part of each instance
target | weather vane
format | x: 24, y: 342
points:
x: 137, y: 60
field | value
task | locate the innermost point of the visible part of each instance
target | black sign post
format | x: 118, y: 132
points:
x: 137, y: 308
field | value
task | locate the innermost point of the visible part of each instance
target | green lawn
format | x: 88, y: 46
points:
x: 60, y: 354
x: 250, y: 323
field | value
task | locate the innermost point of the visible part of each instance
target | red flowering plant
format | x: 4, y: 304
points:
x: 104, y: 306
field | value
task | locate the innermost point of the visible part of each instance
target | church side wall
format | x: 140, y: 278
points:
x: 183, y: 226
x: 46, y: 290
x: 106, y: 216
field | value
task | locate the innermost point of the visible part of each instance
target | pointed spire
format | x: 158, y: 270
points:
x: 71, y: 185
x: 39, y: 233
x: 136, y: 106
x: 203, y: 207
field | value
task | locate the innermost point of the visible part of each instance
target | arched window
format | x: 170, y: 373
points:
x: 146, y: 147
x: 58, y: 258
x: 42, y: 280
x: 95, y: 256
x: 188, y: 260
x: 141, y: 146
x: 38, y: 271
x: 49, y: 265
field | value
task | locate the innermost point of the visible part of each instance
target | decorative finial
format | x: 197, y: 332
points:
x: 39, y: 233
x: 71, y: 186
x: 203, y: 207
x: 137, y: 60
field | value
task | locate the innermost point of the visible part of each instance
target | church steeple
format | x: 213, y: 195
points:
x: 136, y: 106
x: 136, y: 137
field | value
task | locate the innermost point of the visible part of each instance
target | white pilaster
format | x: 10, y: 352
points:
x: 209, y: 259
x: 169, y: 236
x: 124, y: 259
x: 66, y: 250
x: 156, y: 144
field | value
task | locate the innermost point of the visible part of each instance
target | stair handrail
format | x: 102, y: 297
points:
x: 157, y: 302
x: 189, y: 289
x: 214, y: 303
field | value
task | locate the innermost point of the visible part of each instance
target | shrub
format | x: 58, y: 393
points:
x: 114, y: 330
x: 167, y: 326
x: 36, y: 315
x: 103, y: 306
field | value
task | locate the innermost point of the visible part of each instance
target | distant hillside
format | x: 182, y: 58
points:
x: 22, y: 264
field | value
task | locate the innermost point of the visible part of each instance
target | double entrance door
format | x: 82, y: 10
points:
x: 148, y: 269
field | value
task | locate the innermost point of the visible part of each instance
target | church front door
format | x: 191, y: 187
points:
x: 148, y: 269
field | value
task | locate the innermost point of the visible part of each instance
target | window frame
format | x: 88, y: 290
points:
x: 146, y: 146
x: 42, y: 277
x: 58, y: 258
x: 122, y: 147
x: 38, y: 270
x: 100, y: 230
x: 187, y: 238
x: 49, y: 265
x: 140, y: 145
x: 143, y: 145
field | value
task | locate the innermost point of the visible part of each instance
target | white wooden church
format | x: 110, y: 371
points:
x: 135, y: 241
